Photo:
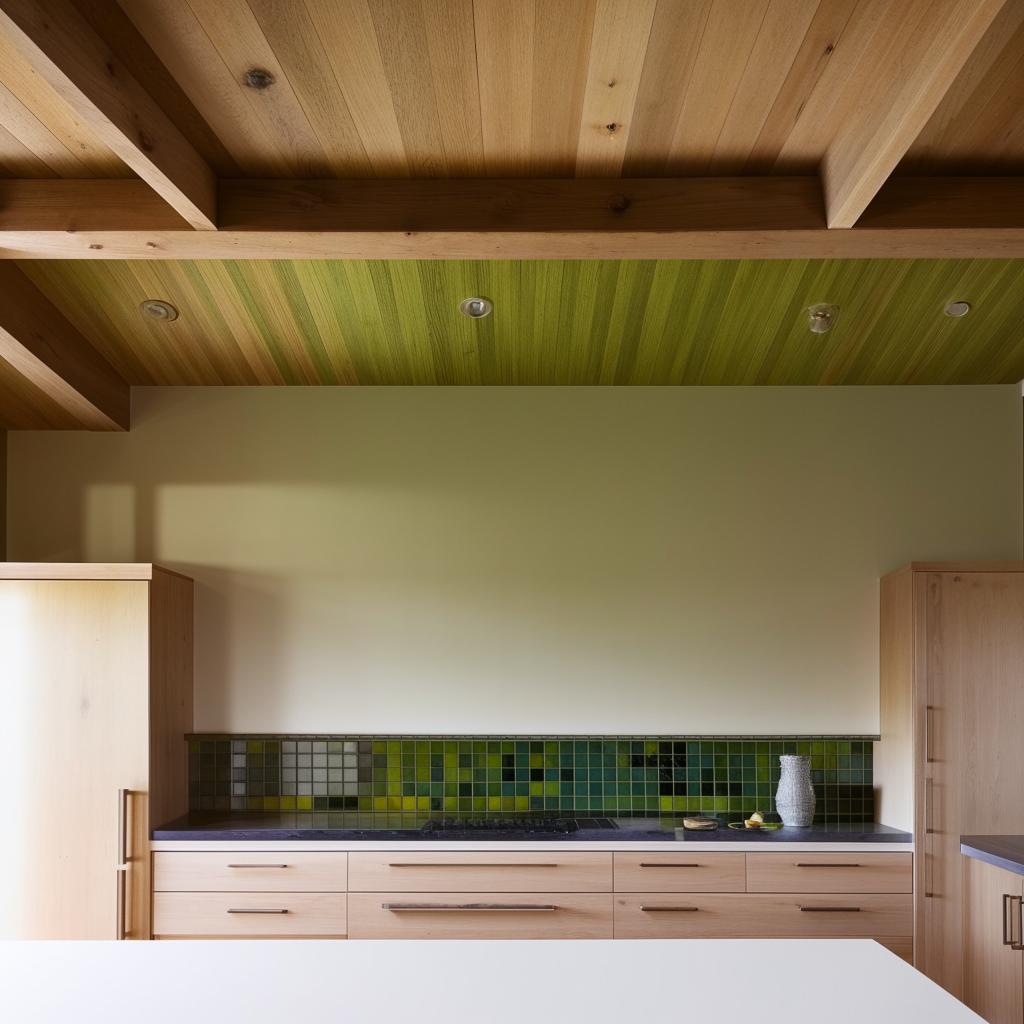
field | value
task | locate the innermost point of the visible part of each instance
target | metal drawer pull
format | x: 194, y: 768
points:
x: 255, y: 910
x: 819, y: 865
x: 830, y: 910
x: 1008, y: 939
x: 257, y: 865
x: 665, y: 910
x: 401, y: 908
x: 468, y: 864
x: 666, y: 865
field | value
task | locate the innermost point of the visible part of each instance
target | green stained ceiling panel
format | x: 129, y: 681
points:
x: 574, y: 322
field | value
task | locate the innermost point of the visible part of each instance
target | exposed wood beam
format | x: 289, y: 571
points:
x: 67, y: 53
x: 42, y: 345
x: 657, y: 218
x: 862, y: 157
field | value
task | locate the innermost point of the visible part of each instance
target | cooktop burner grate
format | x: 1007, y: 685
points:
x: 538, y: 825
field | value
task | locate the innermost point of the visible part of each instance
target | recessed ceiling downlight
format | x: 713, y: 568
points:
x: 958, y: 308
x: 157, y: 309
x: 476, y: 307
x: 821, y: 317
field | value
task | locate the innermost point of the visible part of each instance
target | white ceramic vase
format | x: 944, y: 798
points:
x: 794, y: 799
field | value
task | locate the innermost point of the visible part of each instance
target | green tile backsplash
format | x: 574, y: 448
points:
x: 418, y: 777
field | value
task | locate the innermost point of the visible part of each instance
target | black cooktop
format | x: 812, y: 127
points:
x: 532, y: 825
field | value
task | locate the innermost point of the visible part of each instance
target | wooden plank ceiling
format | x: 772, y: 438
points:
x: 508, y: 88
x: 317, y: 183
x: 554, y: 322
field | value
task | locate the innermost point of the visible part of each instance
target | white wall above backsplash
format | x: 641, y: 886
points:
x: 611, y: 560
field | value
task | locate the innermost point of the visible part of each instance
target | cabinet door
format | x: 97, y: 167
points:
x: 74, y: 670
x: 971, y: 756
x: 993, y: 982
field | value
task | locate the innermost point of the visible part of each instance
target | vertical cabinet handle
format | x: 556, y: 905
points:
x: 928, y: 710
x: 121, y: 867
x: 1006, y: 902
x: 1018, y: 917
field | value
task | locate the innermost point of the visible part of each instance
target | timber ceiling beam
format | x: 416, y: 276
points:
x: 655, y: 218
x: 64, y: 50
x: 863, y: 156
x: 47, y: 350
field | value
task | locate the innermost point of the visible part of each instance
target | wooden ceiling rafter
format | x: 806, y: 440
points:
x: 66, y: 52
x: 48, y: 351
x: 523, y: 218
x: 863, y: 156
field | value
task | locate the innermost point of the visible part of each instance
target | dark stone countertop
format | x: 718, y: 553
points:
x: 325, y: 826
x: 1001, y: 851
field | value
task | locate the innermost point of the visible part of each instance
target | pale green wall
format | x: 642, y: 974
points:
x: 533, y: 559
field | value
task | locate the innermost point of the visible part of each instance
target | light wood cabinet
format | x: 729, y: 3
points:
x: 490, y: 915
x: 96, y: 679
x: 993, y: 968
x: 250, y: 915
x: 829, y: 872
x: 507, y: 894
x: 761, y: 916
x: 250, y: 872
x: 680, y: 872
x: 952, y: 710
x: 486, y: 872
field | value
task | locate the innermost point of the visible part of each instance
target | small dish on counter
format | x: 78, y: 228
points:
x: 765, y: 826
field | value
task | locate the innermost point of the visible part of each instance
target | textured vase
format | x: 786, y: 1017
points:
x: 794, y: 799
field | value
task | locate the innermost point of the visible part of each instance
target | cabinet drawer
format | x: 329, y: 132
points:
x: 680, y: 872
x: 250, y: 872
x: 480, y: 872
x: 742, y: 916
x: 251, y: 915
x: 830, y: 872
x: 492, y: 915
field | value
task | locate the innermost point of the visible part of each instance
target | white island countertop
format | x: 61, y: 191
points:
x: 773, y: 981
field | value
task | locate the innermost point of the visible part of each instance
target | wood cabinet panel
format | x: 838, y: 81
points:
x: 74, y: 660
x: 830, y: 872
x: 993, y: 981
x: 493, y: 915
x: 760, y: 915
x: 680, y: 872
x: 558, y: 871
x: 250, y: 872
x: 245, y: 915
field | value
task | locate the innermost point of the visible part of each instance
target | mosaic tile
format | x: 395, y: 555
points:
x: 621, y: 776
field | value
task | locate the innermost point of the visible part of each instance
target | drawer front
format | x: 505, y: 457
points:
x: 479, y: 915
x: 830, y: 872
x: 680, y: 872
x: 480, y: 872
x: 742, y: 916
x: 250, y: 872
x: 249, y: 915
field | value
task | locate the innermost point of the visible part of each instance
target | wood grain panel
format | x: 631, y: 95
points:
x: 827, y: 872
x: 563, y: 915
x: 171, y: 636
x: 274, y: 915
x: 480, y: 872
x: 270, y: 871
x: 760, y: 916
x: 993, y: 971
x: 89, y: 699
x: 372, y: 322
x: 440, y: 88
x: 978, y: 127
x: 680, y: 872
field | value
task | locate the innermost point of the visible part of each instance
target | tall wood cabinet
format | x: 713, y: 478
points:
x: 96, y: 682
x: 993, y: 964
x: 950, y: 760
